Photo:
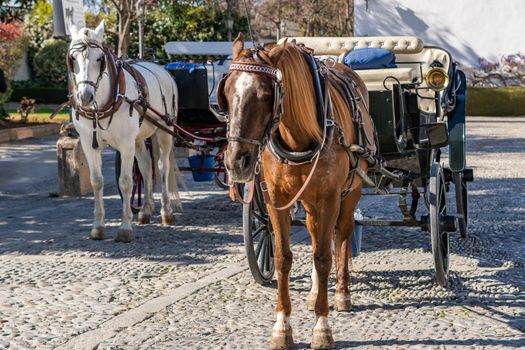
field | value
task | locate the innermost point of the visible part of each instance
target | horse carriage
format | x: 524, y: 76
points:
x: 292, y: 124
x: 418, y: 109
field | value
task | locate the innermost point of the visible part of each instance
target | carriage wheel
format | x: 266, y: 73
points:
x: 439, y: 236
x: 258, y: 237
x: 138, y: 184
x: 461, y: 203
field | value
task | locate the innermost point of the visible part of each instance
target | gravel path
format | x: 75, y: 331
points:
x: 188, y: 286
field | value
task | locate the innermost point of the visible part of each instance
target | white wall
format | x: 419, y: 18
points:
x: 470, y: 29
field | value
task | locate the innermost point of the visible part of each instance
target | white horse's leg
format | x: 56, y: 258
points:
x: 127, y: 154
x: 165, y: 142
x: 145, y: 162
x: 94, y: 159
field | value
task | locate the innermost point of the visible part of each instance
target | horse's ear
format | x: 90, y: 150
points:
x: 99, y: 32
x: 73, y: 30
x: 277, y: 52
x: 238, y: 45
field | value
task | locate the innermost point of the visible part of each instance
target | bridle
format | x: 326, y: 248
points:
x: 109, y: 66
x: 113, y: 67
x: 82, y: 45
x: 278, y: 104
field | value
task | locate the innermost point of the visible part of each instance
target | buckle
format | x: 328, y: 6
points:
x: 330, y: 122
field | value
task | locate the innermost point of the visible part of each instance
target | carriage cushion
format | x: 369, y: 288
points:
x: 370, y: 58
x: 374, y: 78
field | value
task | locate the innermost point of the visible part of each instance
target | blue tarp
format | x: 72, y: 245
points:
x: 370, y: 58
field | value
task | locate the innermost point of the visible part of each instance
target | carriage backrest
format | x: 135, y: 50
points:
x: 336, y: 46
x: 407, y: 49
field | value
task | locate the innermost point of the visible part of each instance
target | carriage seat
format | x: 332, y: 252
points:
x: 336, y: 47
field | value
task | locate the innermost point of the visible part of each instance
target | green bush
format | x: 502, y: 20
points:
x: 50, y: 62
x: 496, y: 101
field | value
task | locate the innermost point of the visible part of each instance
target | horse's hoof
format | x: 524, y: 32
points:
x: 310, y: 302
x: 322, y: 339
x: 124, y: 236
x: 281, y: 340
x: 168, y: 219
x: 97, y: 233
x: 143, y: 219
x: 342, y: 302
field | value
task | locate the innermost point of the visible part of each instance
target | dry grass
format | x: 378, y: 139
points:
x: 41, y: 116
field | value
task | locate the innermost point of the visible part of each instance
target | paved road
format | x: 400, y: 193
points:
x: 188, y: 287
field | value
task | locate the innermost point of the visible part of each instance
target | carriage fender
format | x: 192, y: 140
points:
x: 456, y: 126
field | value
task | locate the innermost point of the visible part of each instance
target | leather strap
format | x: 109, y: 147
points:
x: 301, y: 190
x: 234, y: 193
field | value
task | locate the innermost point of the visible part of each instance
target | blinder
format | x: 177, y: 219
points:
x: 221, y: 99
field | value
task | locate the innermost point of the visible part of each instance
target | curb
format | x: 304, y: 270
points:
x: 26, y: 132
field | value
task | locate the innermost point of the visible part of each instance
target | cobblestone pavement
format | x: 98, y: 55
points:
x: 188, y: 286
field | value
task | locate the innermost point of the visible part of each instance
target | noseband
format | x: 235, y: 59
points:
x: 278, y: 104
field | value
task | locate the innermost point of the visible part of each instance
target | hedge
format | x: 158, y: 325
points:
x: 40, y: 94
x: 496, y: 101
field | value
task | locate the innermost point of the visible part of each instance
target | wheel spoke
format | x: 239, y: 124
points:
x: 258, y: 231
x: 262, y: 261
x: 258, y: 249
x: 268, y: 253
x: 260, y: 217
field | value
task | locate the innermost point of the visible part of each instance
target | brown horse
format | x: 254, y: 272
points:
x: 327, y: 184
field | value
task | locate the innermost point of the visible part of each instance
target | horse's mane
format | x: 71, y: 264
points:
x: 299, y: 97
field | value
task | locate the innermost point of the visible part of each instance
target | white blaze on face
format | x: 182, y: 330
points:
x: 244, y: 82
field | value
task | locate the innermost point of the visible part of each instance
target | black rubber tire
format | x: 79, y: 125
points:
x: 258, y: 237
x: 440, y: 238
x: 138, y: 184
x: 461, y: 203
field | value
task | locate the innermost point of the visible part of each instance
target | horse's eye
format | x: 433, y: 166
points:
x: 266, y: 98
x: 99, y: 59
x: 73, y: 58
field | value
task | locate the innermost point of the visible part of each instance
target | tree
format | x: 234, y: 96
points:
x: 311, y: 17
x: 127, y: 14
x: 12, y: 43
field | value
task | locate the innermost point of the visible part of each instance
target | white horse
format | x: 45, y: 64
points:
x: 95, y: 86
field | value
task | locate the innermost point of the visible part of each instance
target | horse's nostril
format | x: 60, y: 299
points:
x: 244, y: 160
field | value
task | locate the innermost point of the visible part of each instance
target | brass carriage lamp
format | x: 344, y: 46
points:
x: 436, y: 79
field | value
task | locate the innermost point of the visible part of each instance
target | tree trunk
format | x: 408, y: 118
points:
x: 349, y: 17
x: 124, y: 27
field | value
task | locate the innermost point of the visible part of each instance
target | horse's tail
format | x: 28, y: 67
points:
x: 174, y: 176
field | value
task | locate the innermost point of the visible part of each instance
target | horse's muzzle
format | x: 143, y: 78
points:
x: 240, y: 165
x: 85, y: 97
